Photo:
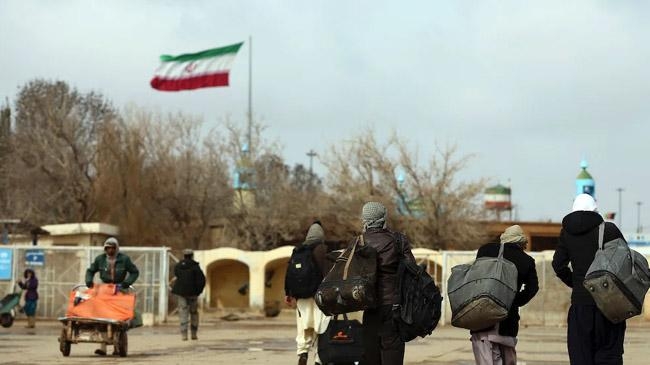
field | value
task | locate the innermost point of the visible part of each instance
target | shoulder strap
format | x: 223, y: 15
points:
x: 501, y: 245
x: 354, y: 248
x: 601, y: 234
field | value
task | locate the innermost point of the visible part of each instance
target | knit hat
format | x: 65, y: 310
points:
x: 513, y: 234
x: 188, y: 252
x: 111, y: 242
x: 584, y: 202
x: 373, y: 215
x: 315, y: 234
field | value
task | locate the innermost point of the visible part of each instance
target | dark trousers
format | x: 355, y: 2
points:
x: 380, y: 338
x: 592, y: 339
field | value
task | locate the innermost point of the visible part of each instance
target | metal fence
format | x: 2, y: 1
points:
x: 64, y: 267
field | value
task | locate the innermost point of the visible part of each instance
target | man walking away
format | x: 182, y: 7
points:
x: 496, y: 345
x: 381, y: 340
x: 189, y: 282
x: 305, y: 271
x: 591, y: 338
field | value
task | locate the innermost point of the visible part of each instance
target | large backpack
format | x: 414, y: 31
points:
x: 350, y: 284
x: 481, y: 293
x: 421, y: 302
x: 617, y: 279
x: 303, y: 275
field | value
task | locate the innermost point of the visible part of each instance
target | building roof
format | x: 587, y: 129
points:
x: 81, y: 228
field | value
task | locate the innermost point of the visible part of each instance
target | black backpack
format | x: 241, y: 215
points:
x: 303, y: 275
x: 421, y: 303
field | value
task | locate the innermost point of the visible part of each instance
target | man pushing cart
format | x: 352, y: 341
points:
x: 103, y: 313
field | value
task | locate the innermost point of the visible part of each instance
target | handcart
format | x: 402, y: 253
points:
x: 99, y: 315
x: 8, y: 306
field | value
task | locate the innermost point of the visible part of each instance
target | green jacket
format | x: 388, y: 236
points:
x: 123, y: 265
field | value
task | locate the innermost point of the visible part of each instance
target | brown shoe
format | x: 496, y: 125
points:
x: 194, y: 336
x: 184, y: 336
x: 302, y: 359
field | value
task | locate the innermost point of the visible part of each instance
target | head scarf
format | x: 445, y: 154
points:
x: 315, y: 234
x: 584, y: 202
x: 373, y: 215
x: 514, y: 234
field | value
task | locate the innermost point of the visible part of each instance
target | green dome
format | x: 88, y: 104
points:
x: 498, y: 189
x: 584, y: 175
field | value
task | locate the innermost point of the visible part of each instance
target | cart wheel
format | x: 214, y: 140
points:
x: 122, y: 343
x: 64, y: 344
x: 6, y: 320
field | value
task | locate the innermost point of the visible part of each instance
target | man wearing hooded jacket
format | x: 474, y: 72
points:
x: 114, y: 268
x: 591, y: 338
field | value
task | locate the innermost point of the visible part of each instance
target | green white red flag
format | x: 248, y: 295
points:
x: 207, y: 68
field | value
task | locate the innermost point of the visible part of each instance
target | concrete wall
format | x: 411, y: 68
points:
x: 230, y: 268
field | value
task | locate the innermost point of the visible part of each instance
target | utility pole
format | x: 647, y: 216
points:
x: 249, y: 133
x: 311, y: 155
x: 638, y: 217
x: 620, y: 209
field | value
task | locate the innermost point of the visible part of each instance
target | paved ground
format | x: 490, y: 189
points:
x: 270, y: 341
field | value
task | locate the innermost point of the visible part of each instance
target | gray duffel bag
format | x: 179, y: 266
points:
x: 617, y: 286
x: 481, y: 293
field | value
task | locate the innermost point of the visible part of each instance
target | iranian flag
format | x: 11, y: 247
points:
x: 208, y: 68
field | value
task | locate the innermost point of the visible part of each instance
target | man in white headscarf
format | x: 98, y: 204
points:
x: 496, y: 345
x: 591, y: 338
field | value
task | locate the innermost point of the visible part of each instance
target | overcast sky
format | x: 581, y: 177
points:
x: 529, y: 88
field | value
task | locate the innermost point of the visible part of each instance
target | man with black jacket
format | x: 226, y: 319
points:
x: 591, y: 338
x: 497, y: 345
x: 381, y: 340
x: 310, y: 321
x: 189, y: 282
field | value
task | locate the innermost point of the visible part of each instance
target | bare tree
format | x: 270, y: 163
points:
x: 432, y: 207
x: 281, y: 207
x: 169, y: 180
x: 54, y: 151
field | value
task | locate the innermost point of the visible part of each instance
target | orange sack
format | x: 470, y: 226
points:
x: 102, y: 302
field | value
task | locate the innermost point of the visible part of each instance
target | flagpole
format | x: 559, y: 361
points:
x: 250, y: 102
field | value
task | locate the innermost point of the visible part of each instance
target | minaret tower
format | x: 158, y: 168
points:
x: 584, y: 182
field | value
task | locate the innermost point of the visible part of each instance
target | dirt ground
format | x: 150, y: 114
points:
x: 271, y: 341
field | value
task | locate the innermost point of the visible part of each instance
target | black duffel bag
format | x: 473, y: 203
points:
x: 350, y: 284
x: 342, y: 342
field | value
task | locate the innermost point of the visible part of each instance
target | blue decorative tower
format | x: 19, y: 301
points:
x: 584, y: 182
x: 243, y: 180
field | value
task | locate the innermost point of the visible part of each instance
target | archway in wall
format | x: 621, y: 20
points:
x: 228, y: 280
x: 275, y: 272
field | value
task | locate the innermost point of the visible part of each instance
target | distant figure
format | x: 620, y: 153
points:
x: 591, y: 338
x: 496, y: 345
x: 306, y: 270
x: 381, y: 339
x: 114, y: 268
x: 31, y: 296
x: 189, y: 282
